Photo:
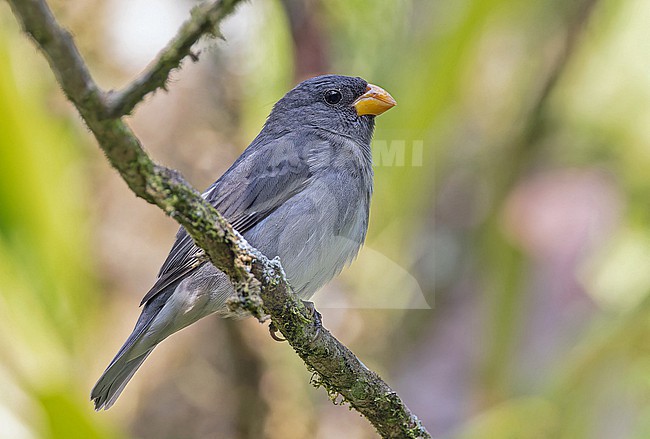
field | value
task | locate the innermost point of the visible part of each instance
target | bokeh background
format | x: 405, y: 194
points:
x: 504, y: 288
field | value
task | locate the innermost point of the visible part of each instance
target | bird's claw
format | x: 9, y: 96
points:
x: 273, y: 330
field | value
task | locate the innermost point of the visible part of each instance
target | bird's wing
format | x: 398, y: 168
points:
x: 260, y: 181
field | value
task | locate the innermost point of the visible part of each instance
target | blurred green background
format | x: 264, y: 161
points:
x: 504, y: 288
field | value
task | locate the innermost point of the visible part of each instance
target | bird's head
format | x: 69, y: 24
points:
x: 340, y: 104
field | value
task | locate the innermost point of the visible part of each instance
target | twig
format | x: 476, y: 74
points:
x: 252, y: 274
x: 204, y: 21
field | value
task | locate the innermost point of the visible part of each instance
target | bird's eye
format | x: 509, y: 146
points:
x: 333, y: 97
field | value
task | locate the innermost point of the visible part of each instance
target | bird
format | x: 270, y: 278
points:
x: 300, y: 192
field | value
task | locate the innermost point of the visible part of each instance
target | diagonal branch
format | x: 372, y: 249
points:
x: 252, y: 274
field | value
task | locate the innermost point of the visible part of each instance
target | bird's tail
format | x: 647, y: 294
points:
x: 115, y: 378
x: 163, y: 315
x: 130, y: 357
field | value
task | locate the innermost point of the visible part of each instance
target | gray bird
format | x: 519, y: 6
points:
x: 301, y: 192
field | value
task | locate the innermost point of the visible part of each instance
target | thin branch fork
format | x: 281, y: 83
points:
x: 204, y: 21
x: 260, y: 283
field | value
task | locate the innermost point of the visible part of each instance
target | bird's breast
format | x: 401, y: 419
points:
x: 317, y: 231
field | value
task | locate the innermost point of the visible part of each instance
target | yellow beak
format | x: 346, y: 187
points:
x: 374, y: 101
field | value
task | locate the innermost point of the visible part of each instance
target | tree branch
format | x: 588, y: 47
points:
x: 252, y: 274
x: 204, y: 21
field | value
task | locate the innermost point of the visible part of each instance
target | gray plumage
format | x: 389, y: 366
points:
x: 300, y: 191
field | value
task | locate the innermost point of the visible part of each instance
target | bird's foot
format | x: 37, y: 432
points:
x: 314, y: 313
x: 317, y: 317
x: 273, y: 330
